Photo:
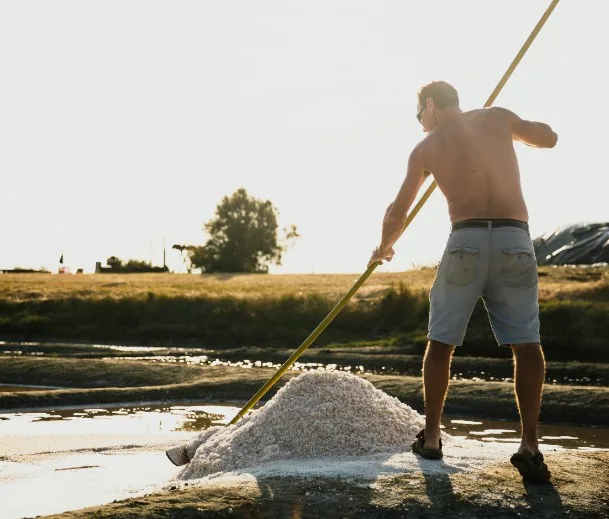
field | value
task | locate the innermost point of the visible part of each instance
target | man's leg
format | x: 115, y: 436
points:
x: 529, y: 374
x: 436, y: 374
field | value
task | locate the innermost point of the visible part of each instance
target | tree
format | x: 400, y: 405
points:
x: 114, y: 263
x: 243, y: 236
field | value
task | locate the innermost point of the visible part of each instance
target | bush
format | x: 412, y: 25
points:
x: 571, y: 330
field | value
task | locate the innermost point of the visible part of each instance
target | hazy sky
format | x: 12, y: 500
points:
x: 124, y: 121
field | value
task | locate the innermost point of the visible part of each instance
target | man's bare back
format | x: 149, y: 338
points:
x: 473, y: 161
x: 471, y: 156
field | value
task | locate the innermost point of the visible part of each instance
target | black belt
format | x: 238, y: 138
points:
x: 469, y: 224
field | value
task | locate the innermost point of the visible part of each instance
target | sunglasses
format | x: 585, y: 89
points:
x: 420, y: 113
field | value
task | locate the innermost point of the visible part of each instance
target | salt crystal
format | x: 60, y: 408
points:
x: 315, y: 415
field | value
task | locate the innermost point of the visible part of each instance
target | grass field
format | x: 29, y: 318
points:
x: 555, y: 283
x: 225, y: 311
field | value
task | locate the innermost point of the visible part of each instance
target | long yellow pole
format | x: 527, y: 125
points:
x: 343, y: 301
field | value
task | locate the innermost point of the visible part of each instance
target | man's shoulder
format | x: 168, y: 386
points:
x: 487, y: 110
x: 495, y: 112
x: 423, y: 146
x: 428, y: 143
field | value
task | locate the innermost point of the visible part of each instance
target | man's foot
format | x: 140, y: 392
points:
x: 178, y: 455
x: 418, y: 447
x: 531, y: 466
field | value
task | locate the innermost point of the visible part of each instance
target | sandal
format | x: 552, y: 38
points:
x: 531, y: 467
x: 418, y: 447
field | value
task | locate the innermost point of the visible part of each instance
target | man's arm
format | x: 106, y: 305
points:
x: 534, y: 134
x: 393, y: 223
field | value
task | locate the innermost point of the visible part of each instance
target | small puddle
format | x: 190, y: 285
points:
x: 138, y: 419
x: 101, y: 453
x: 550, y: 436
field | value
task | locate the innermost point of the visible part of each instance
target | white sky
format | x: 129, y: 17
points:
x: 124, y: 121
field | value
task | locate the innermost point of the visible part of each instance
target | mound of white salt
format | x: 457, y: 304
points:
x: 315, y: 415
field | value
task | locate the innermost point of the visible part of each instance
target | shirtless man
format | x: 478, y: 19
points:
x: 489, y: 253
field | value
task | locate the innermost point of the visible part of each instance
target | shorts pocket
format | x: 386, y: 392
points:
x: 518, y: 267
x: 462, y: 266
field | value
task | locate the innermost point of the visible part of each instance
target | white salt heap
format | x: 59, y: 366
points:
x: 321, y: 414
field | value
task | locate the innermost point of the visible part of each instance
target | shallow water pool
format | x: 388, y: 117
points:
x: 191, y: 417
x: 116, y: 452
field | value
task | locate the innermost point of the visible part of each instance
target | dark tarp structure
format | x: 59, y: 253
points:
x: 577, y: 244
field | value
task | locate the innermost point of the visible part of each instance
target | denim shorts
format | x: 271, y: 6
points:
x: 497, y: 264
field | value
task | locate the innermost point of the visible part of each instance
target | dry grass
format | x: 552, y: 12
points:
x: 223, y: 311
x: 555, y: 283
x: 96, y: 286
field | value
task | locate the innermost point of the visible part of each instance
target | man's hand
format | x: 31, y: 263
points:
x: 381, y: 255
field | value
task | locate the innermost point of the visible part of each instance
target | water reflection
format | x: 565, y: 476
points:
x: 117, y: 420
x: 550, y: 436
x: 586, y: 376
x: 163, y: 418
x: 472, y: 375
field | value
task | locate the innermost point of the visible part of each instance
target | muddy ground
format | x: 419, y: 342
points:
x: 580, y: 489
x: 578, y: 405
x: 581, y: 479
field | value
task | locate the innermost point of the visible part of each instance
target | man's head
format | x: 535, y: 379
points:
x: 434, y: 98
